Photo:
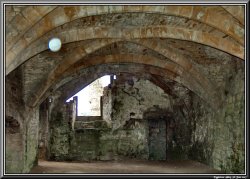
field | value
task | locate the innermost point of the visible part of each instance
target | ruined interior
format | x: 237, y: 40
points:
x: 178, y: 92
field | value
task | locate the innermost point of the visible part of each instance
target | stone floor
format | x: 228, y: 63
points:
x: 130, y: 166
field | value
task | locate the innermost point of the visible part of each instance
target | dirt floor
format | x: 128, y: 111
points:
x: 104, y: 167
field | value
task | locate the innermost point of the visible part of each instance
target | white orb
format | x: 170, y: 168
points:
x: 55, y: 44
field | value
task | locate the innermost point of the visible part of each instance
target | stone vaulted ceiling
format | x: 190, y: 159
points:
x: 183, y: 44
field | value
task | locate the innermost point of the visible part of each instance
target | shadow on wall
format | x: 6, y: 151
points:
x: 14, y: 146
x: 160, y: 132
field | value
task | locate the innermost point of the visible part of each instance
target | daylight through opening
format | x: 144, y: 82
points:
x: 89, y: 98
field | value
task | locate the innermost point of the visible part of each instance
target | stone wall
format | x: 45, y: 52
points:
x: 125, y: 135
x: 94, y: 139
x: 22, y: 127
x: 135, y: 101
x: 14, y: 124
x: 132, y: 98
x: 60, y: 128
x: 107, y: 105
x: 194, y: 130
x: 31, y: 140
x: 43, y: 130
x: 218, y: 139
x: 128, y: 142
x: 84, y: 145
x: 67, y: 141
x: 229, y: 133
x: 14, y: 146
x: 71, y: 111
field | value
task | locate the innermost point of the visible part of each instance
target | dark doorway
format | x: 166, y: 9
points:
x: 157, y: 139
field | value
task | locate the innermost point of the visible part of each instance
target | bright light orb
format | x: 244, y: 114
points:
x: 55, y: 44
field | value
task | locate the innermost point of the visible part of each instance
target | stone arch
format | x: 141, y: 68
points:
x: 210, y: 15
x: 182, y: 11
x: 88, y: 75
x: 181, y: 62
x: 20, y: 24
x: 237, y: 12
x: 14, y: 60
x: 179, y: 75
x: 82, y: 51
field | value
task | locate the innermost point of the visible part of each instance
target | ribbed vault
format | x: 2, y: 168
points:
x: 86, y: 29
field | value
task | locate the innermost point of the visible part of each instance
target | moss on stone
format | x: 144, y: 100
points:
x: 235, y: 162
x: 200, y: 152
